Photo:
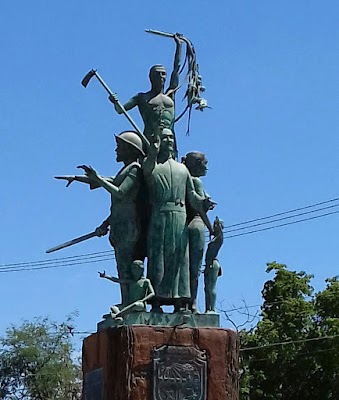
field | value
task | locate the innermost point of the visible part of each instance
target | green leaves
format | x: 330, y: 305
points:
x: 36, y: 362
x: 293, y: 352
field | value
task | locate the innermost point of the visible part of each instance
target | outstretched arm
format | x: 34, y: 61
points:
x: 112, y: 278
x: 174, y: 82
x: 118, y: 192
x: 71, y: 178
x: 152, y: 153
x: 132, y: 102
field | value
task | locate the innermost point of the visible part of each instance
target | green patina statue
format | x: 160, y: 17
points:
x: 196, y: 163
x: 170, y: 187
x: 125, y: 220
x: 156, y: 106
x: 158, y: 205
x: 212, y: 266
x: 140, y: 290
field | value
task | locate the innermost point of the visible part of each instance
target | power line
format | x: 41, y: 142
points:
x: 282, y: 213
x: 289, y: 342
x: 58, y: 265
x: 278, y: 214
x: 280, y: 225
x: 281, y: 219
x: 52, y: 260
x: 253, y: 306
x: 297, y: 354
x: 99, y: 256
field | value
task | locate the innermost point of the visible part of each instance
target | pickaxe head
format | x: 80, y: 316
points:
x: 88, y: 77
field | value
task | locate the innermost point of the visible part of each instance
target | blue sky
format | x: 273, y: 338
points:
x: 271, y: 73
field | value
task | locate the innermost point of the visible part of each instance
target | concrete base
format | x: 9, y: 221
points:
x: 161, y: 363
x: 163, y: 319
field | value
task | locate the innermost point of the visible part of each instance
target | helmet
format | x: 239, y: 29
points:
x: 131, y: 138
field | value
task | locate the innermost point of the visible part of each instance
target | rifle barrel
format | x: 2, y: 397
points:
x: 72, y: 242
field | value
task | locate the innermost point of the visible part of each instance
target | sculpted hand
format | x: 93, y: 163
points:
x: 101, y: 230
x: 113, y: 98
x: 209, y: 204
x: 89, y: 171
x: 102, y: 274
x: 155, y: 140
x: 69, y: 179
x: 212, y: 204
x: 177, y: 37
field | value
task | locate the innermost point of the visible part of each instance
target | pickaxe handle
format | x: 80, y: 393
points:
x: 85, y: 82
x: 160, y: 33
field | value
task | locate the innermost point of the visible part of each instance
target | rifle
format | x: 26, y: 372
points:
x: 73, y: 241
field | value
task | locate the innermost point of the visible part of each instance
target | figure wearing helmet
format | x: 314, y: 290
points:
x: 124, y: 222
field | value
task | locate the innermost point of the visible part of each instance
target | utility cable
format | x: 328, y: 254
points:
x: 77, y: 260
x: 91, y: 261
x: 281, y: 219
x: 53, y: 260
x: 289, y: 342
x: 280, y: 225
x: 297, y: 354
x: 283, y: 213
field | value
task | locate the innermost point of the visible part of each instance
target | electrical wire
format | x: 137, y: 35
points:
x: 58, y: 265
x: 225, y: 229
x: 288, y: 342
x: 52, y: 260
x: 283, y: 213
x: 297, y: 354
x: 280, y: 225
x: 103, y: 255
x: 253, y: 306
x: 281, y: 219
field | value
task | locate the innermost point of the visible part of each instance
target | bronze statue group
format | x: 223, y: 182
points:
x: 158, y: 205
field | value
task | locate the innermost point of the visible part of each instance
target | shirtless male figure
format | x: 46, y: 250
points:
x: 156, y: 106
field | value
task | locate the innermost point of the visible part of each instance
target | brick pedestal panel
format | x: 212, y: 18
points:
x: 125, y: 356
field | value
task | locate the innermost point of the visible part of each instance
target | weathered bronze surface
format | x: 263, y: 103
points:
x: 196, y: 163
x: 156, y: 106
x: 212, y: 266
x: 158, y: 205
x: 181, y: 319
x: 170, y: 187
x: 140, y: 290
x: 124, y: 223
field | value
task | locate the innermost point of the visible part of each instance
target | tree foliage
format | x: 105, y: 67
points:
x: 293, y: 351
x: 37, y: 362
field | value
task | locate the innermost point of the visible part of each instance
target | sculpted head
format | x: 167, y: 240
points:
x: 129, y: 147
x: 137, y: 269
x: 196, y: 163
x: 166, y: 141
x: 157, y: 76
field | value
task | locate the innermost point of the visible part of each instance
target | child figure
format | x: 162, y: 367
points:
x: 139, y: 288
x: 212, y: 267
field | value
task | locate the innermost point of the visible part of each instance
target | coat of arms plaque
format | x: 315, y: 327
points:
x: 179, y: 373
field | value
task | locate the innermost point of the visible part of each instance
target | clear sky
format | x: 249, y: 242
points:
x: 271, y: 74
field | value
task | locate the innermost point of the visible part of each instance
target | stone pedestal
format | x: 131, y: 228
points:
x: 161, y: 363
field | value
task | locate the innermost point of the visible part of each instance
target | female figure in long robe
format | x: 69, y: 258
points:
x: 170, y: 186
